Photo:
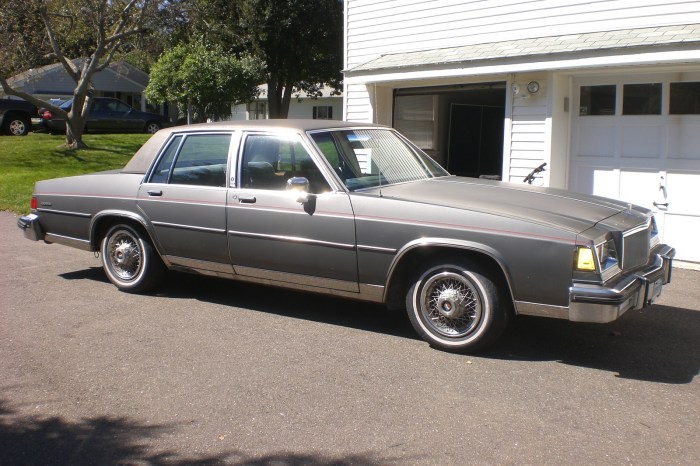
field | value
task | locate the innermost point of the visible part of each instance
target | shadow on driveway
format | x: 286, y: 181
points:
x: 657, y: 344
x: 30, y: 440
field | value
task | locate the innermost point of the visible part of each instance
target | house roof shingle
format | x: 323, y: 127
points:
x: 570, y: 43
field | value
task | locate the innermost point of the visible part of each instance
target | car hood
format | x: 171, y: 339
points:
x: 559, y: 208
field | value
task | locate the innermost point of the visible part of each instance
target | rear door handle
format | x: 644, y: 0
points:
x: 153, y: 192
x: 247, y: 199
x: 660, y: 204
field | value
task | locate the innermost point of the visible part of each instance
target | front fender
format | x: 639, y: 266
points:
x: 444, y: 244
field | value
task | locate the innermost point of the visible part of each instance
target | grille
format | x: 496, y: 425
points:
x: 635, y: 249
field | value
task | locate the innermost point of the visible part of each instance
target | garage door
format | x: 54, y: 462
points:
x: 639, y: 141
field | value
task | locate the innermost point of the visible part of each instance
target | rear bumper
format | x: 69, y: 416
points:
x: 29, y: 224
x: 605, y: 303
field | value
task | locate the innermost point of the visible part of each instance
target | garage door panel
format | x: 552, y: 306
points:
x: 599, y: 181
x: 683, y: 193
x: 596, y: 140
x: 642, y: 141
x: 639, y: 187
x: 684, y: 141
x: 676, y: 234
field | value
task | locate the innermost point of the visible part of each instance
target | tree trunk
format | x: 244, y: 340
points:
x: 278, y: 97
x: 75, y: 121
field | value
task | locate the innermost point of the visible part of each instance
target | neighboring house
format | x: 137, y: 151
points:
x: 325, y: 107
x: 119, y: 80
x: 606, y: 92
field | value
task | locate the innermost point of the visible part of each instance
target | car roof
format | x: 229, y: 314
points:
x: 141, y: 161
x: 284, y: 124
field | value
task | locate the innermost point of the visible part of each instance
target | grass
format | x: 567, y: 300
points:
x: 25, y: 160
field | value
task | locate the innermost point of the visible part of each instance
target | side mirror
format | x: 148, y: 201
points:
x: 299, y: 187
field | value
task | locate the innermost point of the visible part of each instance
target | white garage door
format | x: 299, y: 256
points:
x: 638, y: 140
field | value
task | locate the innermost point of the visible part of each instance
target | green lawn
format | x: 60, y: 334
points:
x: 25, y: 160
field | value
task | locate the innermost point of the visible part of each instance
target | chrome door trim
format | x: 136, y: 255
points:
x: 365, y: 248
x: 200, y: 266
x: 188, y: 227
x: 293, y: 239
x: 296, y: 281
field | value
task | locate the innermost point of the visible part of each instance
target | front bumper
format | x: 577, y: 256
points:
x: 29, y: 224
x: 605, y: 303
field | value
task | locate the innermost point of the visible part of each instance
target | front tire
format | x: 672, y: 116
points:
x: 18, y: 126
x: 457, y: 307
x: 129, y: 260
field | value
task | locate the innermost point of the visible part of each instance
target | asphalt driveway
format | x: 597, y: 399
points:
x: 213, y: 371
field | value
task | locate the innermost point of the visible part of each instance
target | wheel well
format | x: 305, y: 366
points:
x: 102, y: 225
x: 415, y: 262
x: 15, y: 114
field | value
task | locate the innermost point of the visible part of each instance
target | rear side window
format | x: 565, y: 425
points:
x: 162, y: 170
x: 201, y: 160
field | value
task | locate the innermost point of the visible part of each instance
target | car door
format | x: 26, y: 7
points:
x: 99, y: 118
x: 123, y: 117
x: 184, y: 198
x: 275, y: 235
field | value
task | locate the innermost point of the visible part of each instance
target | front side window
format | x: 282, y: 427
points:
x: 366, y: 158
x: 269, y: 161
x: 201, y: 161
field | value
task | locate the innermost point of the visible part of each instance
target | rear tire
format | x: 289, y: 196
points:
x: 152, y: 127
x: 457, y: 307
x: 130, y: 261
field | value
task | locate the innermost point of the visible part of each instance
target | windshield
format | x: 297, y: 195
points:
x: 367, y: 158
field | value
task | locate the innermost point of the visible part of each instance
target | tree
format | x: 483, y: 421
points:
x: 203, y: 78
x: 299, y: 41
x: 91, y: 30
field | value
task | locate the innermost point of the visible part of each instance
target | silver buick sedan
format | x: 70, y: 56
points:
x: 357, y: 211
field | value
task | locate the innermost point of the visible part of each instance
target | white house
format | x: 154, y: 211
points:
x: 606, y: 92
x: 325, y: 107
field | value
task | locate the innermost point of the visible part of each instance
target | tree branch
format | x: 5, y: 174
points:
x: 70, y: 67
x: 30, y: 98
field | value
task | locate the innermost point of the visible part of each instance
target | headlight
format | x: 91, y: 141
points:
x: 654, y: 238
x: 602, y: 257
x: 607, y: 254
x: 585, y: 259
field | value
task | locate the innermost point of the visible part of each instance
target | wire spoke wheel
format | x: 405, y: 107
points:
x: 124, y: 255
x: 457, y: 306
x: 450, y: 304
x: 129, y: 260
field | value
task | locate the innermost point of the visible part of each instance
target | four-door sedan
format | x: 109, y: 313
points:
x: 356, y: 210
x: 107, y: 115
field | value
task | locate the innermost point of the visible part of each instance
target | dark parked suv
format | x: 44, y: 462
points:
x: 107, y: 115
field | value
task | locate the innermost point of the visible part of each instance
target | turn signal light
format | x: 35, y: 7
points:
x: 585, y: 259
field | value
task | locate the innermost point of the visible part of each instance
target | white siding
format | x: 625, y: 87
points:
x: 528, y: 130
x: 378, y: 27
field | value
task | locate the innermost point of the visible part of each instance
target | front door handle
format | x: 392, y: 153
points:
x: 247, y: 199
x: 661, y: 204
x: 153, y: 192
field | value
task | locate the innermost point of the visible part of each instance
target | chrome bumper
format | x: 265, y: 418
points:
x: 605, y: 303
x: 29, y: 224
